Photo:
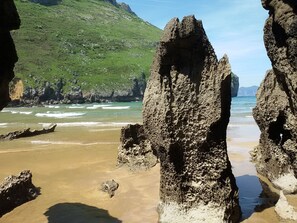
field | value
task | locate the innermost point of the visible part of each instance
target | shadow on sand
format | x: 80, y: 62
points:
x: 78, y: 213
x: 254, y: 195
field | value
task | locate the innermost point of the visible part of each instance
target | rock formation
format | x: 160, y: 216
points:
x: 16, y: 190
x: 276, y: 109
x: 109, y: 186
x: 135, y: 150
x: 9, y: 20
x: 234, y: 85
x: 186, y: 112
x: 27, y: 133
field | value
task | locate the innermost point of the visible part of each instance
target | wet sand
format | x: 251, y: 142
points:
x: 70, y: 164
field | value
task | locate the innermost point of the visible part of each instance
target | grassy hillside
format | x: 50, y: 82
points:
x: 88, y: 43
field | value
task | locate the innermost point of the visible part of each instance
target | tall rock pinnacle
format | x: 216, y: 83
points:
x: 276, y: 109
x: 185, y: 115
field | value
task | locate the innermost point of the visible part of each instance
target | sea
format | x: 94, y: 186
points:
x: 77, y: 119
x: 100, y: 115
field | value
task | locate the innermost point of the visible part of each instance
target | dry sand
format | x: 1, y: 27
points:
x: 69, y: 167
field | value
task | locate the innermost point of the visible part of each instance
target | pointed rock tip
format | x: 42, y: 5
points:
x: 171, y: 30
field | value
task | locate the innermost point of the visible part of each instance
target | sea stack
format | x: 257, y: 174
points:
x: 9, y: 20
x: 186, y: 111
x: 276, y: 109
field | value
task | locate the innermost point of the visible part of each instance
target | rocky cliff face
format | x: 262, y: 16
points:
x: 276, y: 109
x: 9, y: 20
x: 186, y: 111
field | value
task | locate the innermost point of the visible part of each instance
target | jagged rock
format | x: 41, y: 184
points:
x: 275, y: 111
x: 16, y: 190
x: 234, y: 84
x: 9, y: 20
x: 109, y: 187
x: 27, y: 133
x: 186, y: 111
x: 135, y: 150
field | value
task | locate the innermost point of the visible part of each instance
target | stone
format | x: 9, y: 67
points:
x: 16, y: 190
x: 109, y: 186
x: 284, y: 209
x: 135, y: 151
x: 9, y: 20
x: 275, y: 112
x: 234, y: 85
x: 186, y: 111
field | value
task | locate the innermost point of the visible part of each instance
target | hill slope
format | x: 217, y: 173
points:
x: 94, y: 46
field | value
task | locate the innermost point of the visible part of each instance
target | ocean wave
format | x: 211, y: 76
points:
x: 98, y: 106
x: 21, y: 112
x: 249, y: 116
x: 76, y: 106
x: 52, y: 106
x: 117, y: 107
x: 87, y: 124
x: 60, y: 115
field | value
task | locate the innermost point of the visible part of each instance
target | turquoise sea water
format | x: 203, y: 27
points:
x: 96, y: 115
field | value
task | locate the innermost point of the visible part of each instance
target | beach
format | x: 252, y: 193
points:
x: 70, y: 164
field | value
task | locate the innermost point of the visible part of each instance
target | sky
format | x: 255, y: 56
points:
x: 234, y: 27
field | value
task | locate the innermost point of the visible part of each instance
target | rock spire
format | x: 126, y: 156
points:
x: 276, y: 109
x: 185, y: 115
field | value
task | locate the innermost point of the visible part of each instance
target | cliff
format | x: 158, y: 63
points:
x: 83, y: 51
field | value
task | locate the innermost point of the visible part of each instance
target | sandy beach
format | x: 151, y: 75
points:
x: 70, y: 164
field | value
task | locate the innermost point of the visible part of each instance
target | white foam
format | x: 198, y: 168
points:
x: 52, y: 106
x: 60, y: 115
x: 98, y: 106
x: 76, y: 106
x: 87, y: 124
x: 117, y: 107
x: 21, y: 112
x: 249, y: 116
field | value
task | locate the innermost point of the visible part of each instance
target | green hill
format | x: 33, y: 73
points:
x: 92, y: 45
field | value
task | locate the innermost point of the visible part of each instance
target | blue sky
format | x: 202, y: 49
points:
x: 234, y: 27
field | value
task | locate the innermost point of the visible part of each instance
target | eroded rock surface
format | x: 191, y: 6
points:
x: 16, y: 190
x: 185, y: 114
x: 276, y: 109
x: 9, y: 20
x: 135, y: 150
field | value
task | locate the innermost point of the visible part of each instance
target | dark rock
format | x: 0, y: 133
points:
x: 122, y: 5
x: 9, y: 20
x: 276, y: 109
x: 16, y: 190
x: 27, y: 133
x: 185, y: 113
x: 135, y: 150
x: 109, y: 187
x: 234, y: 84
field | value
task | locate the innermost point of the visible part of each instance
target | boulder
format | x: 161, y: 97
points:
x: 186, y: 111
x: 9, y: 20
x: 275, y: 111
x: 16, y: 190
x: 135, y: 150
